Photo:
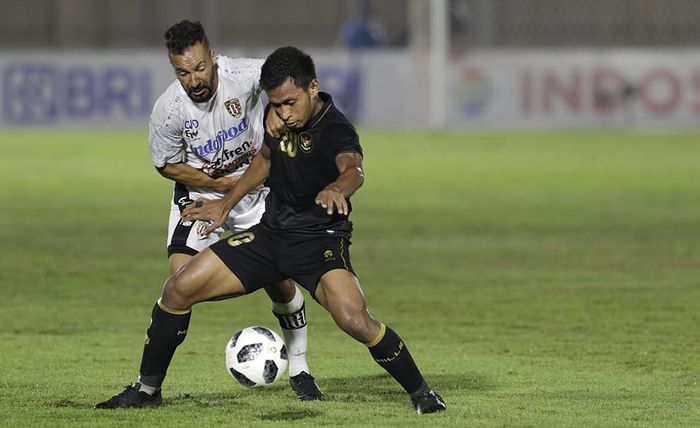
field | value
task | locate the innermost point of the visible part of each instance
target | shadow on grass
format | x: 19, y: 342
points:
x: 209, y: 399
x: 355, y: 389
x: 373, y: 388
x: 290, y: 415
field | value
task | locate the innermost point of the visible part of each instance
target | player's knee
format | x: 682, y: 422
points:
x: 177, y: 294
x: 356, y: 324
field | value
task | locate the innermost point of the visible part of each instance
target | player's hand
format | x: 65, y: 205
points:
x: 274, y: 125
x: 332, y: 199
x: 212, y: 211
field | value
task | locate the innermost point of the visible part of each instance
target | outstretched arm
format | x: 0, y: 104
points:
x: 335, y: 195
x: 216, y: 210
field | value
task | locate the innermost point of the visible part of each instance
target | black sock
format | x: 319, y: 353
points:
x: 167, y: 330
x: 390, y: 352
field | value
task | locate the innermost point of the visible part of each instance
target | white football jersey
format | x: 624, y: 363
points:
x: 220, y: 136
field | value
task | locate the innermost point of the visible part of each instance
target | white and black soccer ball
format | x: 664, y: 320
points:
x: 256, y: 356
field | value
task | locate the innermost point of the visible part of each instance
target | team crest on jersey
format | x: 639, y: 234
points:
x: 305, y: 142
x: 233, y: 107
x: 291, y: 142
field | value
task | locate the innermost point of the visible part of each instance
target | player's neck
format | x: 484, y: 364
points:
x: 318, y: 105
x: 215, y: 80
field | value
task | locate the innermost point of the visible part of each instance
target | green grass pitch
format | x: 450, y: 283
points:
x: 540, y: 279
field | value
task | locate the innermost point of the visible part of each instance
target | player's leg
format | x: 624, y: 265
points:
x: 176, y: 261
x: 288, y: 306
x: 339, y: 292
x: 183, y: 242
x: 205, y: 277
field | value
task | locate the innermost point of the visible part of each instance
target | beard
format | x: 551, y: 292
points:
x: 201, y: 93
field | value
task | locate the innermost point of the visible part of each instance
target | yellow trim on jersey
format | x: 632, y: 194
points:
x: 345, y: 263
x: 328, y: 107
x: 173, y: 311
x: 380, y: 336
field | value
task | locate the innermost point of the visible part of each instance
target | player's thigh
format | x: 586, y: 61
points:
x: 339, y: 292
x: 177, y: 260
x: 306, y: 258
x: 252, y: 256
x: 205, y: 277
x: 184, y: 238
x: 281, y: 291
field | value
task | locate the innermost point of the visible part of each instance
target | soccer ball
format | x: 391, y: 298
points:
x: 256, y: 356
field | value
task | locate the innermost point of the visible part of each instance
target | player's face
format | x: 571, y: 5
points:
x: 293, y: 104
x: 196, y: 71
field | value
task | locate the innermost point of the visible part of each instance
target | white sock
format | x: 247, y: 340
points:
x: 150, y: 390
x: 294, y: 330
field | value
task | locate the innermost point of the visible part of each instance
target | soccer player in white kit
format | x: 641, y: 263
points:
x: 203, y: 133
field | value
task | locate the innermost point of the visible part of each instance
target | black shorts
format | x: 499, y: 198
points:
x: 261, y: 256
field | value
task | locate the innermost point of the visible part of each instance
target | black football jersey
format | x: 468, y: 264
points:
x: 302, y: 164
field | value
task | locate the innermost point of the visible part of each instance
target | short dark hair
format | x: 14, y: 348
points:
x: 284, y: 63
x: 184, y: 34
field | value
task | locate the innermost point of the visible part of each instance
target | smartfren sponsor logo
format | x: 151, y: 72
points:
x: 223, y: 135
x: 231, y: 160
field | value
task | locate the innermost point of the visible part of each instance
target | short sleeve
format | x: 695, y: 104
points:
x: 344, y: 137
x: 245, y: 71
x: 165, y: 132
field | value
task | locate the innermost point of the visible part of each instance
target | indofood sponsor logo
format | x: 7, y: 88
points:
x: 223, y: 135
x: 473, y: 91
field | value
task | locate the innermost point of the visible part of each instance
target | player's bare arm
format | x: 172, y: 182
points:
x: 216, y: 210
x: 335, y: 195
x: 274, y: 125
x: 189, y: 176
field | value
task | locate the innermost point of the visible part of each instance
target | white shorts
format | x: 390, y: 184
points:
x: 185, y: 238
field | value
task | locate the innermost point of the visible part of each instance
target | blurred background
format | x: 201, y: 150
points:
x: 456, y: 64
x: 546, y: 275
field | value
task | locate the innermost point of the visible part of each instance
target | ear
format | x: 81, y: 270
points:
x: 314, y: 88
x: 212, y: 54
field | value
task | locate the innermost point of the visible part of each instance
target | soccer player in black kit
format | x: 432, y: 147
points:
x: 304, y: 234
